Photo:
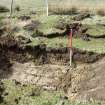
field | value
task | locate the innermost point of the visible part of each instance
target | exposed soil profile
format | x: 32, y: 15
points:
x: 87, y: 82
x: 48, y: 67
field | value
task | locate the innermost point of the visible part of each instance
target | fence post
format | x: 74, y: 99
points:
x: 11, y: 10
x: 46, y: 1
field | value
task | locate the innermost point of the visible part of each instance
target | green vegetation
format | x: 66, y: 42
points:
x: 96, y: 30
x: 48, y: 24
x: 94, y: 45
x: 18, y: 94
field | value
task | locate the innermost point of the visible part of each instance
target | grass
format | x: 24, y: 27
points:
x: 95, y: 45
x: 23, y: 4
x: 26, y: 7
x: 48, y: 26
x: 96, y: 30
x: 58, y: 9
x: 21, y: 95
x: 94, y: 25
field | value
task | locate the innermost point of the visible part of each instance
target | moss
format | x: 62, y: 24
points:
x: 96, y: 30
x: 20, y: 95
x: 28, y: 94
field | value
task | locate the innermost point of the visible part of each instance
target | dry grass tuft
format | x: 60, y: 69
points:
x: 62, y: 9
x: 76, y: 6
x: 100, y: 12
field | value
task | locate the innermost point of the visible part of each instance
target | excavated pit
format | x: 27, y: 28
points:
x: 86, y: 83
x: 12, y: 50
x: 48, y: 67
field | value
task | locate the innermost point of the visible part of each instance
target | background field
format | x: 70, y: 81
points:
x: 67, y: 4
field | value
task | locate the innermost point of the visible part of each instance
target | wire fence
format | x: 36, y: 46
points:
x: 39, y: 6
x: 77, y: 5
x: 24, y: 6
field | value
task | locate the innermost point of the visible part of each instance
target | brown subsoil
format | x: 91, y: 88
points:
x: 46, y: 76
x: 86, y: 82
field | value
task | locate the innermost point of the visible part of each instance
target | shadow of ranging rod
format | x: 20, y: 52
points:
x: 70, y: 48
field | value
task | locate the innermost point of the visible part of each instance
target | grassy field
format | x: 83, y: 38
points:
x: 94, y: 45
x: 28, y: 95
